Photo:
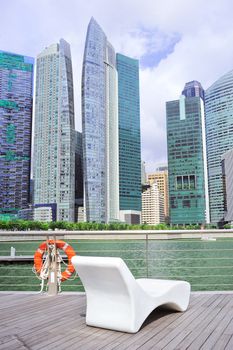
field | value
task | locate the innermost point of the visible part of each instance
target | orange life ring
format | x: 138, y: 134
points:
x: 38, y: 257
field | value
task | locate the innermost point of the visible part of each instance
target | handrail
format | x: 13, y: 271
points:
x: 117, y: 232
x: 209, y: 267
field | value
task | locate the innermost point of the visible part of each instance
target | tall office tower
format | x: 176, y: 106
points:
x: 152, y: 205
x: 54, y: 153
x: 16, y: 83
x: 129, y: 139
x: 100, y: 127
x: 219, y: 136
x: 193, y: 89
x: 161, y: 178
x: 227, y: 174
x: 78, y: 173
x: 187, y: 165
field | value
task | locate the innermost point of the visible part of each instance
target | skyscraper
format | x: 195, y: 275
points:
x: 152, y: 205
x: 54, y: 147
x: 16, y: 81
x: 219, y: 135
x: 129, y: 138
x: 161, y: 178
x: 100, y: 127
x: 227, y: 173
x: 187, y: 165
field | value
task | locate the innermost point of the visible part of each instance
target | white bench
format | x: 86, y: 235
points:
x: 115, y: 300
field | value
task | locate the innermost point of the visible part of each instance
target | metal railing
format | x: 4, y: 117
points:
x: 202, y: 257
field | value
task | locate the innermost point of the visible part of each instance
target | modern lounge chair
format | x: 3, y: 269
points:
x: 115, y: 300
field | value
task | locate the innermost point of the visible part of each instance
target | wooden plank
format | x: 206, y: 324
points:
x: 229, y: 345
x: 222, y: 342
x: 157, y: 322
x: 210, y: 329
x: 167, y: 335
x: 199, y: 323
x: 218, y: 331
x: 35, y: 322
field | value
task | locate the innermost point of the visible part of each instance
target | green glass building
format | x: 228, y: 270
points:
x: 187, y: 165
x: 129, y: 139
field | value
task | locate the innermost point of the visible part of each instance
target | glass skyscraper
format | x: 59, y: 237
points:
x: 54, y: 146
x: 129, y: 137
x: 100, y: 127
x: 219, y: 135
x: 16, y: 85
x: 187, y: 164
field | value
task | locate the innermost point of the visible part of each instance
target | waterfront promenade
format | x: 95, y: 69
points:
x: 34, y: 321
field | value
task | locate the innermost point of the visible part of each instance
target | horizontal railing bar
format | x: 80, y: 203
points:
x: 161, y: 259
x: 197, y: 258
x: 212, y: 284
x: 114, y: 232
x: 196, y: 240
x: 36, y: 285
x: 76, y: 276
x: 80, y: 285
x: 141, y: 268
x: 139, y: 250
x: 190, y: 276
x: 192, y: 267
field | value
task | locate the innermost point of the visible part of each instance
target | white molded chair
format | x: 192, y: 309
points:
x: 115, y: 300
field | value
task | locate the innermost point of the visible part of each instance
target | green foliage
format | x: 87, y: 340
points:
x: 228, y: 226
x: 21, y: 225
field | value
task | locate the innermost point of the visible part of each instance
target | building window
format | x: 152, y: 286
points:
x: 179, y: 182
x: 186, y: 203
x: 186, y: 182
x: 192, y: 182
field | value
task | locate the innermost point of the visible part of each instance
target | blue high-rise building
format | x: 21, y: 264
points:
x: 54, y: 145
x: 100, y: 127
x: 193, y: 89
x: 16, y: 86
x: 129, y: 138
x: 219, y: 136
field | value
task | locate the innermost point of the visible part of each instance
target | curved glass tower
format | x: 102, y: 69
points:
x: 100, y: 127
x: 219, y: 135
x: 54, y: 153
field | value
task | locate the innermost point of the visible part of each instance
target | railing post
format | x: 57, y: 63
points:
x: 13, y: 250
x: 147, y: 268
x: 52, y: 283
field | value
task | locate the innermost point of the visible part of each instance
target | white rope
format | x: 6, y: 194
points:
x: 44, y: 273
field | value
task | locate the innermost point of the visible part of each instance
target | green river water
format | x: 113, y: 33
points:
x: 207, y: 265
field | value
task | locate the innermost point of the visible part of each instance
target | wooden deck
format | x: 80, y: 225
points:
x: 35, y: 322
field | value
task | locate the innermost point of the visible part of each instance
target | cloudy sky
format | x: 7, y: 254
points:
x: 175, y: 40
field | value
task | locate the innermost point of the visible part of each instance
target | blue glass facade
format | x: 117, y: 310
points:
x: 54, y: 144
x: 219, y: 135
x: 193, y: 89
x: 100, y: 127
x: 129, y: 133
x: 93, y: 122
x: 16, y: 86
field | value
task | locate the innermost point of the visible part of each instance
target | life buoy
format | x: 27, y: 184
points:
x: 38, y: 257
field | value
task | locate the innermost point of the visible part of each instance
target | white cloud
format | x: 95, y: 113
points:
x: 204, y: 51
